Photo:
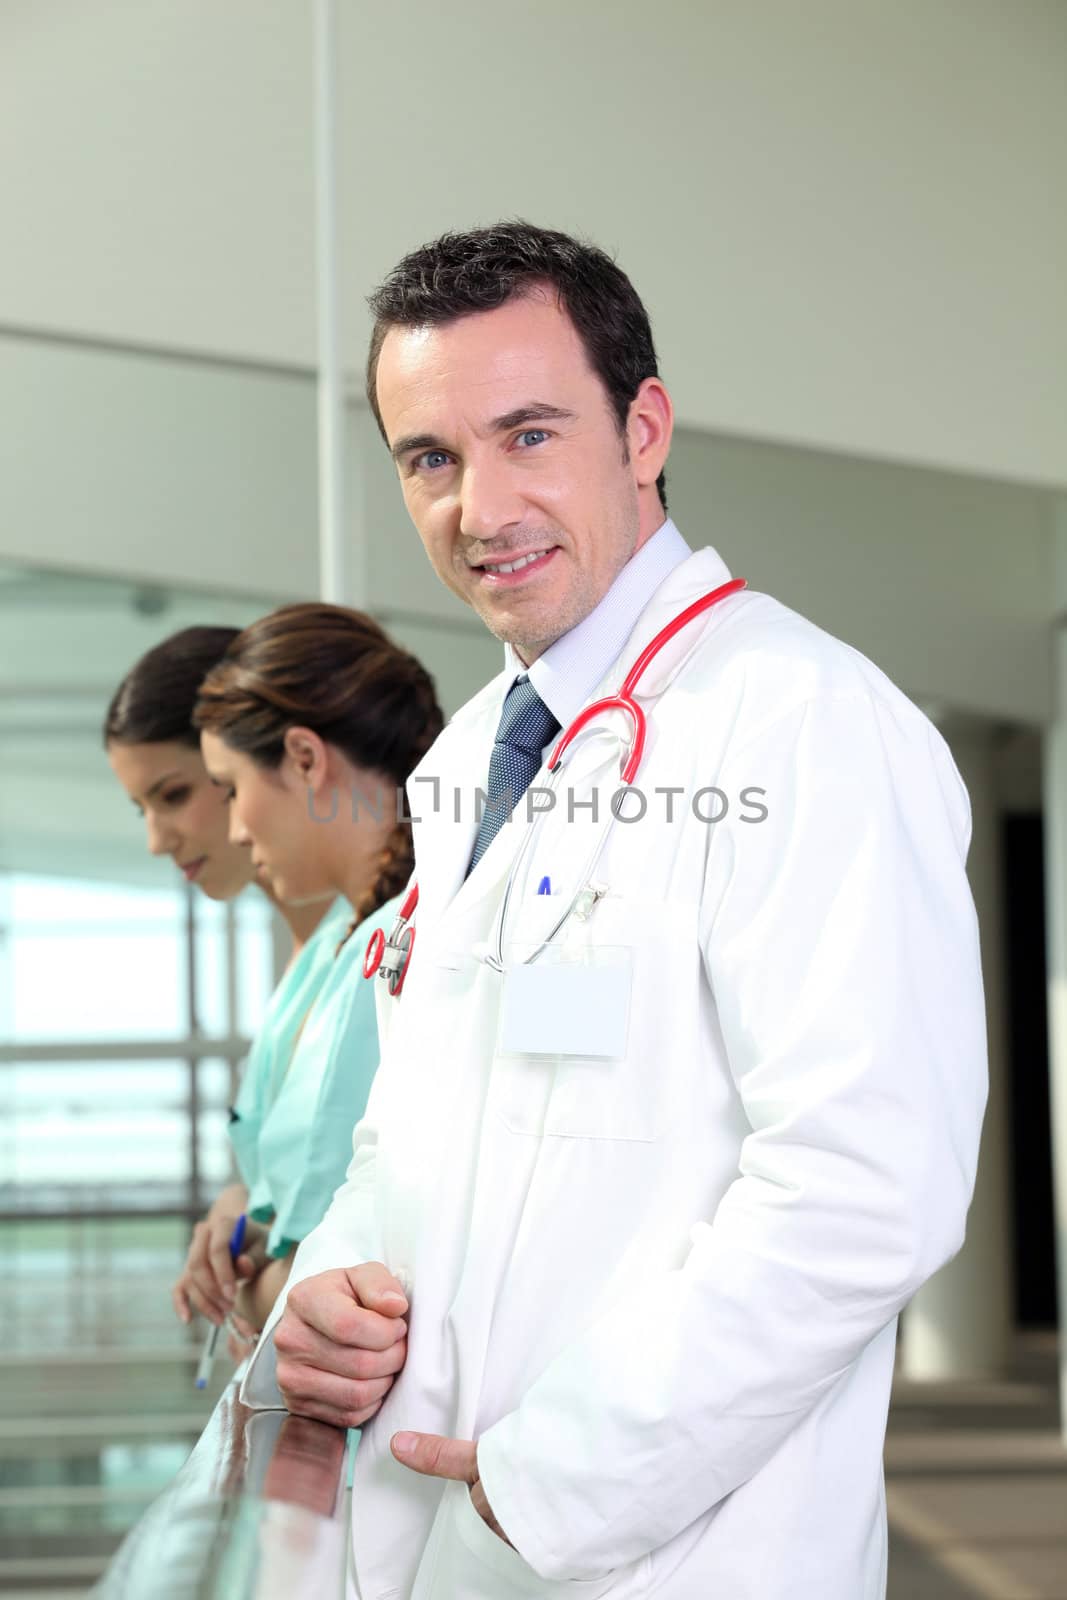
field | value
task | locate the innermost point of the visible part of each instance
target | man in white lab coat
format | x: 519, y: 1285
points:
x: 618, y: 1285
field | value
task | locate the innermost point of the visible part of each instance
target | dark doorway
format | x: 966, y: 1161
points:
x: 1031, y: 1146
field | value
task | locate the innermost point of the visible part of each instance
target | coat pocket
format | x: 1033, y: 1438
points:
x: 473, y: 1563
x: 641, y: 1094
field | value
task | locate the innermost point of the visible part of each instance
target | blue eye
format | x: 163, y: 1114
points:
x: 536, y: 435
x: 432, y: 459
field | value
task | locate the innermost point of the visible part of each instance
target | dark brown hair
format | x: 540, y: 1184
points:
x: 461, y: 273
x: 336, y: 672
x: 155, y: 701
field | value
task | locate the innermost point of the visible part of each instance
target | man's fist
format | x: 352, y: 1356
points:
x: 340, y: 1343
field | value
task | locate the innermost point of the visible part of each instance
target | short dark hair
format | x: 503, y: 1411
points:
x: 461, y: 273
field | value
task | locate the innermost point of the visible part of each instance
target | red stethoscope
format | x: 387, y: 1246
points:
x: 390, y: 958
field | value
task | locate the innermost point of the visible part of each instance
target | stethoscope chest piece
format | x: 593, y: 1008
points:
x: 395, y: 958
x: 388, y: 958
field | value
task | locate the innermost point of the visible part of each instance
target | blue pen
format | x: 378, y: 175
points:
x: 207, y: 1358
x: 545, y: 886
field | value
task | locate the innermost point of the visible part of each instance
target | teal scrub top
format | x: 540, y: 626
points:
x: 307, y: 1080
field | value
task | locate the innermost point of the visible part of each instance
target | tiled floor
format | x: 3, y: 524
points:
x: 913, y: 1575
x: 977, y: 1487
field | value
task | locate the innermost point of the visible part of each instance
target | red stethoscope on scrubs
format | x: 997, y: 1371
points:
x: 390, y: 958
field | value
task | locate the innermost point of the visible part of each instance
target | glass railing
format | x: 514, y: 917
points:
x: 258, y: 1512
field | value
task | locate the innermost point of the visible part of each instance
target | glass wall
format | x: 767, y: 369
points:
x: 126, y: 1003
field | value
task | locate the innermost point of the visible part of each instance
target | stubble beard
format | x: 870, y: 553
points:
x: 532, y: 638
x: 543, y: 631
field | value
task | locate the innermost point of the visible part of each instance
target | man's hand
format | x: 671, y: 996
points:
x: 447, y: 1458
x: 209, y: 1279
x: 340, y: 1342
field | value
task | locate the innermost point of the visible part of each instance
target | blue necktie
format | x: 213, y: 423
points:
x: 526, y: 726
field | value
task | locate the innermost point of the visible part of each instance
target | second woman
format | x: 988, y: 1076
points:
x: 312, y: 724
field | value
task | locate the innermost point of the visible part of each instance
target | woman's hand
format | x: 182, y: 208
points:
x: 209, y: 1279
x: 256, y: 1297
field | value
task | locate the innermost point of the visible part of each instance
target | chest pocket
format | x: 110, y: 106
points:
x: 642, y: 1094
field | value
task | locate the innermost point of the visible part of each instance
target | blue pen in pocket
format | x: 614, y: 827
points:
x: 207, y: 1358
x: 545, y: 886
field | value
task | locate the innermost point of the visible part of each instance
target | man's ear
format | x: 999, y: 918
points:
x: 308, y: 757
x: 648, y: 431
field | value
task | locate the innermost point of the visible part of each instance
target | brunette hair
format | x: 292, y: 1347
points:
x: 461, y: 273
x: 155, y: 701
x: 336, y: 672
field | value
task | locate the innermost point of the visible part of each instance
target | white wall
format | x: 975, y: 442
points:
x: 847, y: 219
x: 155, y: 161
x: 200, y: 476
x: 158, y: 468
x: 944, y: 580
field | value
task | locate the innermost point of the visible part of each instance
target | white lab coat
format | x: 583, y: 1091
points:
x: 661, y: 1291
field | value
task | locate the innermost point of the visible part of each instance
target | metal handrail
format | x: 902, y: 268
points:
x: 188, y: 1047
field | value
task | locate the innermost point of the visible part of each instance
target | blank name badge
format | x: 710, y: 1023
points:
x: 577, y: 1004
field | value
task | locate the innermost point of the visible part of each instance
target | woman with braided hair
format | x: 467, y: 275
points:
x: 311, y: 724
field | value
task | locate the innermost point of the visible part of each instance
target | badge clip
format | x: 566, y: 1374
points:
x: 586, y: 902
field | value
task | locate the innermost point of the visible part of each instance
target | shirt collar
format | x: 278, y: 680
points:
x: 568, y: 672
